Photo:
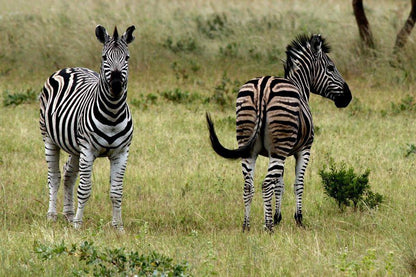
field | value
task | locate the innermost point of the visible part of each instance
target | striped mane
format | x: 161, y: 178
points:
x: 299, y: 44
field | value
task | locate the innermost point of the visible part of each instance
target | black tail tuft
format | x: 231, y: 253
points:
x: 241, y: 152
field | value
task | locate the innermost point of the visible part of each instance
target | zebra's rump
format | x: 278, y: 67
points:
x: 63, y: 99
x: 273, y: 107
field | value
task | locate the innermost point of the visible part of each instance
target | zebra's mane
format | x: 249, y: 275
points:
x: 299, y: 44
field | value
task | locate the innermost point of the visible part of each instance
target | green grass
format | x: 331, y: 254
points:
x: 180, y: 199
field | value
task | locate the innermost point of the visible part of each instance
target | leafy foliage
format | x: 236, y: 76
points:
x: 27, y: 96
x: 214, y: 26
x: 407, y: 103
x: 411, y: 149
x: 176, y: 95
x: 144, y: 101
x: 345, y: 186
x: 184, y: 45
x: 225, y: 92
x: 109, y: 262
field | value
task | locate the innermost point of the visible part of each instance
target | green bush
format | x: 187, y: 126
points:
x: 28, y: 96
x: 346, y: 187
x: 411, y: 149
x: 112, y: 262
x: 225, y: 92
x: 407, y: 103
x: 144, y: 102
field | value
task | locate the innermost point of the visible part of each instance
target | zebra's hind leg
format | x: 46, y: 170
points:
x: 302, y: 160
x: 275, y: 171
x: 248, y: 166
x: 118, y: 165
x: 52, y: 153
x: 86, y: 161
x: 278, y: 191
x: 70, y: 176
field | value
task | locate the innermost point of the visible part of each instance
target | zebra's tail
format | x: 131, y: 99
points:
x: 242, y: 152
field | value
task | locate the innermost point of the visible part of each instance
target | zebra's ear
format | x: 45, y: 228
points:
x: 128, y: 35
x: 101, y: 34
x: 316, y: 44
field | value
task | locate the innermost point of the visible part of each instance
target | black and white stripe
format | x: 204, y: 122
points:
x: 274, y: 120
x: 86, y: 115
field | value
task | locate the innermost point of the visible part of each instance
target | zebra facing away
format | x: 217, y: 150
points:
x: 274, y: 120
x: 86, y: 115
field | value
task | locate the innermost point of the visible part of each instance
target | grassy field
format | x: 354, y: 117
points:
x: 180, y: 199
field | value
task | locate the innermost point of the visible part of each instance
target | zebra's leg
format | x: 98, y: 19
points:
x: 86, y: 161
x: 274, y: 173
x: 302, y: 160
x: 248, y: 166
x: 118, y: 165
x: 70, y: 176
x: 278, y: 191
x: 52, y: 153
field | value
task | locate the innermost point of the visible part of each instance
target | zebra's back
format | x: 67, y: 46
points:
x: 63, y: 99
x: 273, y: 107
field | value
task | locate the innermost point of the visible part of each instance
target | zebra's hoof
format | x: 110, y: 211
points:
x: 268, y: 227
x: 246, y: 227
x: 298, y: 219
x: 77, y: 224
x: 52, y: 216
x: 118, y: 227
x: 277, y: 218
x: 69, y: 216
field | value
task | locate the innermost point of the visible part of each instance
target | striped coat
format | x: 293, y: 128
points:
x: 273, y: 119
x: 85, y: 114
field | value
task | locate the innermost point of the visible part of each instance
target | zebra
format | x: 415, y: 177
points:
x: 85, y: 114
x: 273, y: 119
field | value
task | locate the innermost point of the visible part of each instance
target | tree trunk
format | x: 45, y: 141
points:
x: 362, y: 22
x: 404, y: 33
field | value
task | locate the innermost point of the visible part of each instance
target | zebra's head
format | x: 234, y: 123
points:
x: 308, y: 60
x: 114, y: 61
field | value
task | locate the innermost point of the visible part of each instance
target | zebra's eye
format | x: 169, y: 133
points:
x: 127, y: 58
x: 104, y: 57
x: 331, y: 68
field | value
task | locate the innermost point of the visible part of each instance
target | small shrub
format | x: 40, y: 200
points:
x: 113, y: 262
x: 144, y: 102
x: 346, y: 187
x: 230, y: 50
x: 178, y: 96
x: 411, y: 149
x: 225, y: 92
x: 185, y: 45
x: 28, y: 96
x: 371, y: 199
x: 408, y: 103
x: 214, y: 26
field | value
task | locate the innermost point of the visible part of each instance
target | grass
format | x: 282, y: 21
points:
x: 180, y: 199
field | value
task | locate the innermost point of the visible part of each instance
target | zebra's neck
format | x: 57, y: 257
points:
x: 301, y: 79
x: 111, y: 106
x: 298, y: 69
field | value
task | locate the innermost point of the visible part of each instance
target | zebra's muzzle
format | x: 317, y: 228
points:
x: 116, y: 83
x: 342, y: 100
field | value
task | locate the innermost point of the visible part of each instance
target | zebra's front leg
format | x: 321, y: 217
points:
x: 275, y: 171
x: 70, y: 176
x: 86, y: 161
x: 52, y: 153
x: 302, y: 160
x: 118, y: 165
x: 248, y: 166
x: 278, y: 191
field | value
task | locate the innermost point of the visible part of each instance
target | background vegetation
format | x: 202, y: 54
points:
x: 181, y: 200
